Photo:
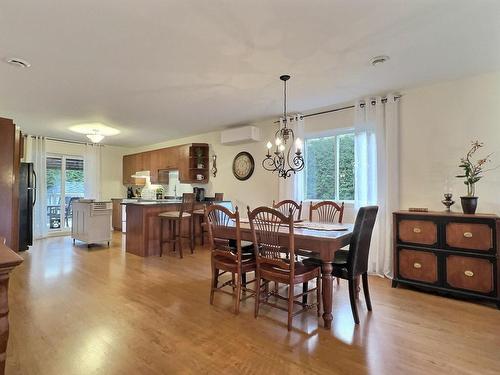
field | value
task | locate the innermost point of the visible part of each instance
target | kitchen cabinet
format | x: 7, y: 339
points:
x: 185, y: 158
x: 117, y: 214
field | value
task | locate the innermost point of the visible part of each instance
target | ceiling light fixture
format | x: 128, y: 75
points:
x: 18, y: 62
x: 379, y: 60
x: 95, y: 131
x: 95, y: 137
x: 283, y: 161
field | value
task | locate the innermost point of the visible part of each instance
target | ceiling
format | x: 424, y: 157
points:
x: 159, y: 69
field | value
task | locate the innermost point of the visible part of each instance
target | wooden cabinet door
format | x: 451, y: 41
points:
x: 127, y: 169
x: 418, y: 265
x: 470, y: 273
x: 183, y: 163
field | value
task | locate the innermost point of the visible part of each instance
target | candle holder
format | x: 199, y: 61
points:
x: 447, y: 201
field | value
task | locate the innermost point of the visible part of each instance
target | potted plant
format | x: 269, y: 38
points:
x: 473, y: 172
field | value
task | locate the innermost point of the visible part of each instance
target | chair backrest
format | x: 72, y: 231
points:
x: 266, y: 224
x: 220, y: 221
x: 284, y: 207
x: 219, y: 197
x: 187, y: 204
x: 357, y: 260
x: 327, y: 211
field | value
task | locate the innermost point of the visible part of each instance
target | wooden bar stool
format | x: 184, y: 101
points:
x: 175, y: 220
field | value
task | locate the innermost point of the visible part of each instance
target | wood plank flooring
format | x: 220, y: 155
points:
x: 103, y: 311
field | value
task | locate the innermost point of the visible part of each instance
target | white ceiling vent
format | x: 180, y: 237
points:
x: 245, y: 134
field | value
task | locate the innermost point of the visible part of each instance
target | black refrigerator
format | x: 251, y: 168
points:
x: 27, y: 199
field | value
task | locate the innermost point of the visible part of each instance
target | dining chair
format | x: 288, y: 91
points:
x: 352, y: 263
x: 218, y: 196
x: 228, y: 256
x: 284, y: 207
x: 326, y: 212
x: 174, y: 220
x: 276, y: 262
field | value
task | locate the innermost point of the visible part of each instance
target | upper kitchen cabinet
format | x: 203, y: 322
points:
x: 191, y: 160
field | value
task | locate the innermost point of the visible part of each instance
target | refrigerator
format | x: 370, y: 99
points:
x: 27, y: 200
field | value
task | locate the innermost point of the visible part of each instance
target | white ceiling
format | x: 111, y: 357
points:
x: 158, y: 69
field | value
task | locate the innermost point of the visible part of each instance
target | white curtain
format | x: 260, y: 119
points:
x: 376, y: 127
x: 92, y: 171
x: 292, y: 187
x: 36, y: 154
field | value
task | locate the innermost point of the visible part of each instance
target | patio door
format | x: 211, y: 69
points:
x: 65, y: 183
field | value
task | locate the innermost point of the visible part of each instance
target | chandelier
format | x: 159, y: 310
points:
x: 283, y: 159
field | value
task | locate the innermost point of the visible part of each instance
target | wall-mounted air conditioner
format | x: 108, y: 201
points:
x: 245, y: 134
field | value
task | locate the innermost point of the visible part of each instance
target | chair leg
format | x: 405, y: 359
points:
x: 161, y: 237
x: 290, y: 306
x: 215, y: 279
x: 352, y: 298
x: 257, y: 290
x: 191, y: 234
x: 338, y: 281
x: 366, y: 291
x: 318, y: 294
x: 201, y: 232
x: 276, y: 287
x: 244, y: 279
x: 305, y: 288
x: 238, y: 294
x: 178, y: 238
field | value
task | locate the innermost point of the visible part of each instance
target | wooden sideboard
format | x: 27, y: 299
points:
x: 8, y: 261
x: 448, y: 252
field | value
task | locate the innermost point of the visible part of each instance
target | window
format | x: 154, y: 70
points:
x: 65, y: 183
x: 329, y: 169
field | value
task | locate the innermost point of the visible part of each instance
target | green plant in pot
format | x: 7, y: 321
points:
x: 473, y: 172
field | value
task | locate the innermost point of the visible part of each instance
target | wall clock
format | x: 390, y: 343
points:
x: 243, y: 166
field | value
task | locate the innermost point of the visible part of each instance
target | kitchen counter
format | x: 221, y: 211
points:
x: 150, y: 202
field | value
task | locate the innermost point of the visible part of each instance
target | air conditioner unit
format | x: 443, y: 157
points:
x: 245, y: 134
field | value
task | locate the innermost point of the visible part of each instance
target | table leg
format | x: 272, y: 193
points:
x: 327, y: 290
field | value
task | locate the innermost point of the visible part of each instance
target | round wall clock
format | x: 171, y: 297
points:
x: 243, y: 166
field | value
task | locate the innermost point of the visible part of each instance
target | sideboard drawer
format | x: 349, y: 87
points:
x: 418, y: 231
x: 471, y: 236
x: 418, y: 265
x: 469, y: 273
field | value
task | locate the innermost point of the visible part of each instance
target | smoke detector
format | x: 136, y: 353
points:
x: 379, y: 60
x: 18, y: 62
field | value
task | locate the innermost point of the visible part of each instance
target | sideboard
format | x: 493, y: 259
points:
x: 448, y: 252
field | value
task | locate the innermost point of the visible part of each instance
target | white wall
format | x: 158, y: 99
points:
x: 438, y: 122
x: 111, y: 165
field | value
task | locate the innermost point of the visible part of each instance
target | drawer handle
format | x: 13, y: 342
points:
x: 467, y: 234
x: 469, y: 273
x: 417, y: 230
x: 417, y: 265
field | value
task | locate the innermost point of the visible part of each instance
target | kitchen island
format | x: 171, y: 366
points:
x: 143, y: 225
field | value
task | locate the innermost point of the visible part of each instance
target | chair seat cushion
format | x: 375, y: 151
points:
x: 199, y: 211
x: 229, y: 264
x: 174, y: 214
x: 303, y: 272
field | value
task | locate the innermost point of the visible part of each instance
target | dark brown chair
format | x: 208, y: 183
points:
x: 350, y: 264
x: 175, y: 220
x: 284, y: 207
x: 219, y: 197
x: 276, y: 262
x: 327, y: 212
x: 227, y: 255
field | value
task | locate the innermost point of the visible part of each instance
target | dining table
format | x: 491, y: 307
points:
x: 321, y: 240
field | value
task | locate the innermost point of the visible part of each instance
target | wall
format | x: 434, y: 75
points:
x: 438, y: 122
x: 111, y: 165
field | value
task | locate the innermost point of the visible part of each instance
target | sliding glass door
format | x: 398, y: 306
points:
x: 65, y: 183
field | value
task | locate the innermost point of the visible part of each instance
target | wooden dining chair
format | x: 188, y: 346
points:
x: 352, y: 263
x: 284, y: 207
x: 276, y: 262
x: 174, y: 220
x: 326, y: 212
x: 227, y: 256
x: 219, y: 197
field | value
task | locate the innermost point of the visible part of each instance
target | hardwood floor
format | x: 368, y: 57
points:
x: 102, y: 311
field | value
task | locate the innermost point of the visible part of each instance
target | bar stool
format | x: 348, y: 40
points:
x: 175, y: 220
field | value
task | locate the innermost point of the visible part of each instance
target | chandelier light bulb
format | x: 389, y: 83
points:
x: 269, y: 145
x: 277, y: 141
x: 281, y: 148
x: 298, y: 144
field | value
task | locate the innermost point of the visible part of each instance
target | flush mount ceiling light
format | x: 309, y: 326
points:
x: 18, y: 62
x: 379, y: 60
x: 95, y: 131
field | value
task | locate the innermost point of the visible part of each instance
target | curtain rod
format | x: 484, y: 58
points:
x: 384, y: 100
x: 67, y: 141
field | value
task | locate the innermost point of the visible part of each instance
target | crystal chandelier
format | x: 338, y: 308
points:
x: 283, y: 160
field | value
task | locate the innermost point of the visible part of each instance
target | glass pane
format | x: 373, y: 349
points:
x: 320, y: 168
x: 73, y: 187
x: 346, y: 166
x: 54, y: 166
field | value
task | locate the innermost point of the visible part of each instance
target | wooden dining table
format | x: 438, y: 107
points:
x: 323, y: 243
